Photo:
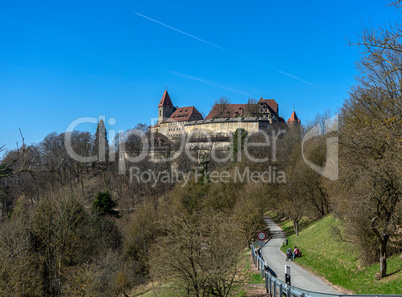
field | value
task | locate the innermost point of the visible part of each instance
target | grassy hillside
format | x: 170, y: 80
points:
x: 337, y: 261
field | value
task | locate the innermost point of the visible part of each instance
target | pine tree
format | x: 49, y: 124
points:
x: 104, y: 204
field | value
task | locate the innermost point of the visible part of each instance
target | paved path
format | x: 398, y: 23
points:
x: 277, y: 260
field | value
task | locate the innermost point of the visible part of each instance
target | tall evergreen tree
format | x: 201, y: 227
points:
x: 238, y: 143
x: 101, y: 149
x: 101, y: 144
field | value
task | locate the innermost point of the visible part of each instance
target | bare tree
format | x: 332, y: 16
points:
x: 293, y: 202
x: 251, y: 108
x: 21, y: 160
x: 249, y: 211
x: 19, y: 273
x: 221, y: 107
x: 202, y: 255
x: 142, y: 127
x: 370, y: 139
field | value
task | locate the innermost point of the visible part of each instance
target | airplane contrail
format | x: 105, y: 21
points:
x: 223, y: 49
x: 295, y: 77
x: 180, y: 31
x: 99, y: 78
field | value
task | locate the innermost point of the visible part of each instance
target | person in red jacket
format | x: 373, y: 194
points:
x: 296, y: 253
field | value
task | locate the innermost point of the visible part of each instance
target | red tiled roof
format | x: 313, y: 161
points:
x: 293, y: 118
x: 230, y: 111
x: 165, y: 101
x: 158, y: 139
x: 271, y: 103
x: 184, y: 114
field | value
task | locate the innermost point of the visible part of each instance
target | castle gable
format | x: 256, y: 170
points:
x: 158, y: 139
x: 185, y: 114
x: 271, y: 104
x: 226, y: 111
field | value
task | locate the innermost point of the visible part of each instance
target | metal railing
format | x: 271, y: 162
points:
x: 277, y: 288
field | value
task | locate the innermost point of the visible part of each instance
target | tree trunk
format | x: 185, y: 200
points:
x: 383, y: 256
x: 296, y: 227
x: 104, y: 177
x: 82, y: 188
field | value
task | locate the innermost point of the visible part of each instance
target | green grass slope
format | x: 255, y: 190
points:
x: 338, y: 261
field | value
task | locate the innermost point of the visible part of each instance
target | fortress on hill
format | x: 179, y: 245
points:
x: 224, y: 119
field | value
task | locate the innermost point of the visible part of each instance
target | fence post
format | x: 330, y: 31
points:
x: 280, y: 290
x: 264, y: 270
x: 267, y: 276
x: 261, y: 270
x: 274, y: 288
x: 270, y: 286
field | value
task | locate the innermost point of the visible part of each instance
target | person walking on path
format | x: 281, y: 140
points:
x: 289, y: 254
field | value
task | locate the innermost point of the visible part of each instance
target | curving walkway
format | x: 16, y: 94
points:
x: 277, y: 260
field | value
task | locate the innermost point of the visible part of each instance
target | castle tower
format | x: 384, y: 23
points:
x: 165, y: 108
x: 293, y: 120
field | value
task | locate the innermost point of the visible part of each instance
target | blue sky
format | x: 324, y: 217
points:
x: 60, y: 61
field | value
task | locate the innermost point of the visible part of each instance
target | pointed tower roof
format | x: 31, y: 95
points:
x: 165, y: 101
x: 293, y: 119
